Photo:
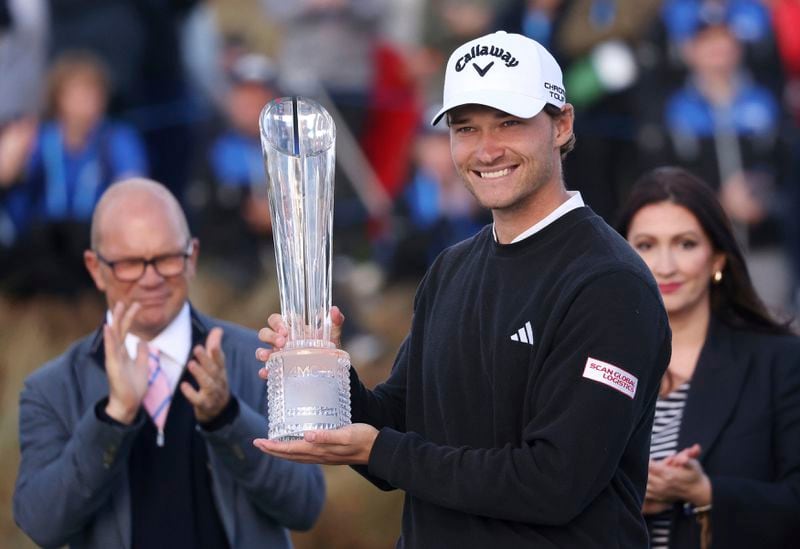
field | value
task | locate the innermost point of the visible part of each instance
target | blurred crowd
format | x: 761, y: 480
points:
x: 95, y: 90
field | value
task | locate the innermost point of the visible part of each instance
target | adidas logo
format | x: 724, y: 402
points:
x: 524, y: 334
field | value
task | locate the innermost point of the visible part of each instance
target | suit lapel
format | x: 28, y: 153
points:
x: 95, y: 383
x: 199, y: 329
x: 715, y: 386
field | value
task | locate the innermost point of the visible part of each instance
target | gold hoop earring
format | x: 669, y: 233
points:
x: 717, y: 277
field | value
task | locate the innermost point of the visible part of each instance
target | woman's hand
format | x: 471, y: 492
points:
x: 654, y: 507
x: 679, y: 478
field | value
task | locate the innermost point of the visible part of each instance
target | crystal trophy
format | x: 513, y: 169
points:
x: 308, y: 387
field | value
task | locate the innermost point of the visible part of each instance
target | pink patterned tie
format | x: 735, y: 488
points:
x: 158, y: 396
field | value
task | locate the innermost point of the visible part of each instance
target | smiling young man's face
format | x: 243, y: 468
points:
x: 504, y: 160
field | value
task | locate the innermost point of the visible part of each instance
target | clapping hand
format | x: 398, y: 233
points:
x: 208, y: 368
x: 679, y: 477
x: 127, y: 378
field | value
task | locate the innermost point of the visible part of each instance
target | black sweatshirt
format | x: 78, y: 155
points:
x: 519, y: 409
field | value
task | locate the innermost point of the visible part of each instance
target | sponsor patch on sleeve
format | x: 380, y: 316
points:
x: 611, y: 375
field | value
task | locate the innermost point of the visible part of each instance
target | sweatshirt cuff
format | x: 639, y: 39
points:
x: 383, y: 451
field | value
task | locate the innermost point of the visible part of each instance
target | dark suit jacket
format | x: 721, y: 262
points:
x: 73, y: 484
x: 743, y: 408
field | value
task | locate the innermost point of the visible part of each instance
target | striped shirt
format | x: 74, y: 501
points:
x: 664, y: 443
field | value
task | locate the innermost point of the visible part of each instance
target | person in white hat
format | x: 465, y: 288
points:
x: 519, y: 408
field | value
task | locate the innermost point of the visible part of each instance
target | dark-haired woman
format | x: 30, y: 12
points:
x: 725, y: 453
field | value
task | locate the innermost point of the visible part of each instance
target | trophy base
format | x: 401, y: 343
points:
x: 307, y: 390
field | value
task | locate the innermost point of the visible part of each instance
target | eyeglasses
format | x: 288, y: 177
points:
x: 131, y: 270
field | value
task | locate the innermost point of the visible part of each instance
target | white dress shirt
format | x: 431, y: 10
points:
x: 174, y: 344
x: 574, y: 201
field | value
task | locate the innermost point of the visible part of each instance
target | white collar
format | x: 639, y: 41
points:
x: 175, y: 340
x: 574, y: 201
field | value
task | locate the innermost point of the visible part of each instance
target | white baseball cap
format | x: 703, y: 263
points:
x: 508, y: 72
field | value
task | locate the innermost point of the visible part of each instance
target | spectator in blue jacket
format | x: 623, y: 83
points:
x: 229, y: 197
x: 727, y: 127
x: 57, y: 174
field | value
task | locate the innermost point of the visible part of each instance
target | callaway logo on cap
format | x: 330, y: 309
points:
x: 509, y: 72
